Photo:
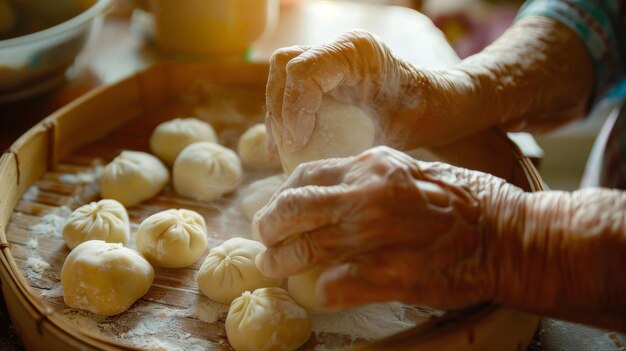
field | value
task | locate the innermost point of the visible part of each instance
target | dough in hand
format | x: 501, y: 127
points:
x: 133, y: 177
x: 172, y: 238
x: 267, y: 319
x: 257, y: 194
x: 104, y: 278
x: 229, y: 270
x: 205, y: 171
x: 170, y: 138
x: 251, y: 149
x: 301, y: 288
x: 341, y: 130
x: 105, y: 220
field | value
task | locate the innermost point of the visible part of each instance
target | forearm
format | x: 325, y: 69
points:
x: 564, y: 255
x: 537, y: 75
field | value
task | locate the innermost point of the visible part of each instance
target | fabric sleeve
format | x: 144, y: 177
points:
x: 600, y: 24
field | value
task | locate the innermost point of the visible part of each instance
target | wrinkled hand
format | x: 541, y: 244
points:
x: 387, y: 227
x: 411, y: 107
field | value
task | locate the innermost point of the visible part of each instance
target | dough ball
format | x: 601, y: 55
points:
x: 105, y: 220
x: 104, y: 278
x: 170, y: 138
x: 133, y: 177
x: 251, y: 149
x: 301, y: 288
x: 256, y: 195
x: 172, y: 238
x: 205, y: 171
x: 341, y: 130
x: 267, y: 319
x: 229, y: 270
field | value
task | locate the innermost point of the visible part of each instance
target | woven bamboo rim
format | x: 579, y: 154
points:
x: 85, y: 120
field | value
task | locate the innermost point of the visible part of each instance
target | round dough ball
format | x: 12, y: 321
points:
x: 133, y: 177
x: 301, y: 288
x: 251, y: 149
x: 170, y: 138
x: 229, y: 270
x: 104, y: 278
x: 105, y: 220
x: 205, y: 171
x: 172, y: 238
x: 341, y: 130
x: 256, y: 195
x: 267, y: 319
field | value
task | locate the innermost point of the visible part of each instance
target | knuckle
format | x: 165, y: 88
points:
x: 297, y: 66
x: 282, y: 56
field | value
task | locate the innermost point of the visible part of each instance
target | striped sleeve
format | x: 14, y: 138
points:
x: 600, y: 24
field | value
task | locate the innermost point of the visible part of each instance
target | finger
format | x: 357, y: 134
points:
x: 297, y: 210
x: 324, y: 172
x: 270, y: 144
x: 323, y: 247
x: 309, y: 76
x: 275, y: 88
x: 397, y: 274
x: 428, y: 277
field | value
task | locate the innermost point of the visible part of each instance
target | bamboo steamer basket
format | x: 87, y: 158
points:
x: 119, y: 116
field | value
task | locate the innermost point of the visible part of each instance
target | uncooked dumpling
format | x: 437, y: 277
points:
x: 251, y: 149
x: 205, y: 171
x: 341, y: 130
x: 103, y: 220
x: 170, y: 138
x: 301, y: 288
x: 229, y: 270
x: 172, y: 238
x: 256, y: 195
x: 133, y: 177
x: 267, y: 319
x: 104, y: 278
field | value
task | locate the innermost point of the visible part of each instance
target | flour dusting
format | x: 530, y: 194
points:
x: 51, y: 225
x: 372, y: 322
x: 31, y: 194
x: 82, y: 177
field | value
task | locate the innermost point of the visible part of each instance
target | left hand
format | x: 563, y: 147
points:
x: 387, y: 227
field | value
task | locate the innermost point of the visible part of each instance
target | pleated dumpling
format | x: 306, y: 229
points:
x: 133, y: 177
x: 229, y: 270
x: 173, y: 239
x: 105, y: 220
x: 267, y: 319
x: 205, y: 171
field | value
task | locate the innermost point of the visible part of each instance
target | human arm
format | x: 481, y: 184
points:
x: 538, y: 75
x: 387, y: 227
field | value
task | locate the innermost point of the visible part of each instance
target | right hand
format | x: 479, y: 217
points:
x: 388, y: 227
x: 411, y: 107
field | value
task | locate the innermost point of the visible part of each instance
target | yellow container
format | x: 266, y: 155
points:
x: 211, y: 27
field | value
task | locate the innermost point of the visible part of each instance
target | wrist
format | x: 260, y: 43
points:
x: 440, y: 106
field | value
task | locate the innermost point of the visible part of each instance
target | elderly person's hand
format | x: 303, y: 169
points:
x: 387, y: 227
x: 536, y: 77
x: 359, y: 69
x: 391, y: 228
